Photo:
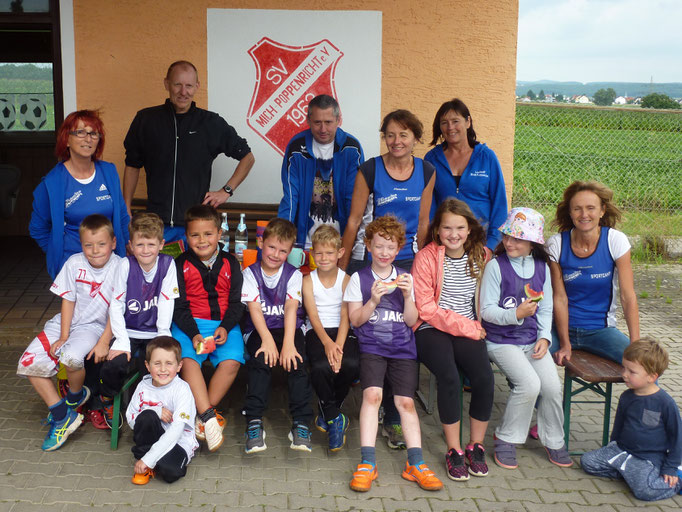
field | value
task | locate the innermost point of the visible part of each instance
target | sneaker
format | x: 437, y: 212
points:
x: 60, y: 430
x: 199, y: 426
x: 505, y: 454
x: 255, y: 437
x: 299, y: 435
x: 457, y: 469
x: 533, y: 432
x: 85, y: 396
x: 143, y: 478
x: 425, y: 478
x: 96, y: 417
x: 62, y: 387
x: 337, y: 432
x: 214, y: 434
x: 559, y: 457
x: 320, y: 424
x: 476, y: 460
x: 394, y: 436
x: 363, y: 477
x: 108, y: 413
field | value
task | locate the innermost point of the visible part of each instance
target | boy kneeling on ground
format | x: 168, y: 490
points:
x: 161, y: 413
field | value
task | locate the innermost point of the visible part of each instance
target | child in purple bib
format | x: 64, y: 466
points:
x: 382, y: 311
x: 273, y: 336
x: 516, y: 313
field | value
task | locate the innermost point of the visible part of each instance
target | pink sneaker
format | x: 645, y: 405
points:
x: 533, y: 432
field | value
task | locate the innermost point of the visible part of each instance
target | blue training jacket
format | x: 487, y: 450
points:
x: 47, y: 220
x: 298, y: 176
x: 481, y: 187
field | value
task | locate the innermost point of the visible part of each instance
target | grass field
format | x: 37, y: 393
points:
x: 638, y: 154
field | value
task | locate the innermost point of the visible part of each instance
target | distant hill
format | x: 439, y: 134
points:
x: 634, y: 89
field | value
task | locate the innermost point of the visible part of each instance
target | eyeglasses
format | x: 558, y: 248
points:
x: 81, y: 134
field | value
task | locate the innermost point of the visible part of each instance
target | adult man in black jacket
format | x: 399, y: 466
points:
x: 176, y: 144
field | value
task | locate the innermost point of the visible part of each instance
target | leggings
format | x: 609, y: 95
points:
x: 445, y: 356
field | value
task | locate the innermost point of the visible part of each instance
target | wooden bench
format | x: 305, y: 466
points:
x: 592, y: 373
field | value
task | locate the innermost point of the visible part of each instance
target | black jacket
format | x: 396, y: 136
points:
x: 179, y: 177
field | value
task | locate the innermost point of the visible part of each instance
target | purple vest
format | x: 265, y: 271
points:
x: 385, y: 333
x: 142, y: 297
x: 512, y: 295
x: 272, y: 299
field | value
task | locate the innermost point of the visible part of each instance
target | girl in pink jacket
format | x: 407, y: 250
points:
x: 448, y: 335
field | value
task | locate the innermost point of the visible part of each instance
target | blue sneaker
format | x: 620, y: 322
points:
x: 84, y: 398
x: 320, y: 424
x: 337, y: 432
x: 60, y: 430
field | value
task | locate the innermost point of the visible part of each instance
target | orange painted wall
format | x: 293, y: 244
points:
x: 433, y: 50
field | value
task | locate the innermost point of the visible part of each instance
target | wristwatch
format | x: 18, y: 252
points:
x: 229, y: 190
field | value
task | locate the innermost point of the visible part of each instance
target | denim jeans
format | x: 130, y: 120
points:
x: 607, y: 342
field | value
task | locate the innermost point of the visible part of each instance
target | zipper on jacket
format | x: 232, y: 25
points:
x: 175, y: 165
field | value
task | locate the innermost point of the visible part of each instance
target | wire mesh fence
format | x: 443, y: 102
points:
x: 635, y: 152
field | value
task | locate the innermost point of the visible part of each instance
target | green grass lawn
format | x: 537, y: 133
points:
x: 638, y: 154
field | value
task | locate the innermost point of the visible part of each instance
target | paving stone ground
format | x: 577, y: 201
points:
x: 86, y: 475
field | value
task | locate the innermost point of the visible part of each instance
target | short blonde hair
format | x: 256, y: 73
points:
x: 326, y: 235
x: 649, y: 353
x: 147, y: 225
x: 388, y: 227
x: 280, y: 228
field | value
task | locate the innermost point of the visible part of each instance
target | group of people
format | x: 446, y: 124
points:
x: 417, y: 260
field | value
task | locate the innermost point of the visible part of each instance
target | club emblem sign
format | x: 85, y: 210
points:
x: 287, y: 78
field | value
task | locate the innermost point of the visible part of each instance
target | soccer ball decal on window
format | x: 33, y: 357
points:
x: 7, y: 114
x: 32, y: 113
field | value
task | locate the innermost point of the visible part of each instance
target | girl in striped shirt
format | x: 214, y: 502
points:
x: 449, y: 337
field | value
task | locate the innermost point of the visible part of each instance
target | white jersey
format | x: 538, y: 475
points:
x: 177, y: 398
x: 89, y: 287
x: 328, y: 300
x: 166, y: 300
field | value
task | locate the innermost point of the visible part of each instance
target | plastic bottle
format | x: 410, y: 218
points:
x: 241, y: 239
x: 225, y: 234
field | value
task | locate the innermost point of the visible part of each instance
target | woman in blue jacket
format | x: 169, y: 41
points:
x: 467, y: 169
x: 79, y: 185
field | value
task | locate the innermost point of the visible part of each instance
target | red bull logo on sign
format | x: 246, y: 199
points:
x: 287, y: 78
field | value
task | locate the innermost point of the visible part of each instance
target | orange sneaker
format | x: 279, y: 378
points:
x: 425, y: 478
x: 143, y: 478
x: 363, y: 477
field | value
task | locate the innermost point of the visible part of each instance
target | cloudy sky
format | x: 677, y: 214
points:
x: 600, y: 40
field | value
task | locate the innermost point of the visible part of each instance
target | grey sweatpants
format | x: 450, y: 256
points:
x: 642, y: 476
x: 530, y: 378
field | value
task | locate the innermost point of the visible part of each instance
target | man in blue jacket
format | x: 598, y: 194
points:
x: 318, y: 172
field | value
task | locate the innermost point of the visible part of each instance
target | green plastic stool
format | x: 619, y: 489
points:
x: 116, y: 427
x: 595, y: 374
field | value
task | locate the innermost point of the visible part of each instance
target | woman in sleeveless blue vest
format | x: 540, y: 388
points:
x: 395, y: 183
x: 467, y: 169
x: 590, y: 261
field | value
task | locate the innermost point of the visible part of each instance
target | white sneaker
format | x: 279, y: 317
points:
x: 200, y: 426
x: 214, y: 434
